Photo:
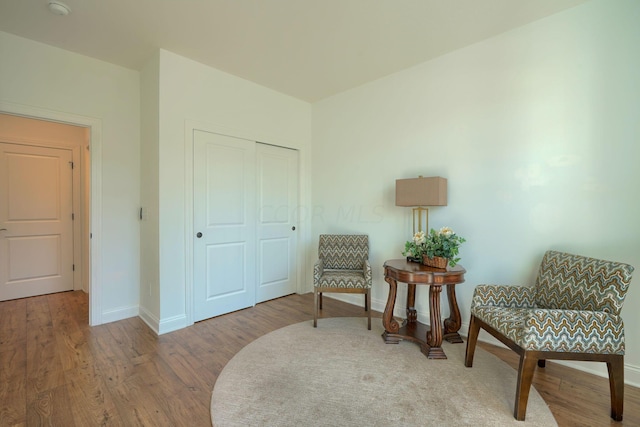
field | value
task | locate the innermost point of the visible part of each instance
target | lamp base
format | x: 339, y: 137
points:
x: 420, y: 214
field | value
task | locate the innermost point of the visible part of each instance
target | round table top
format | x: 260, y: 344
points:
x: 413, y: 272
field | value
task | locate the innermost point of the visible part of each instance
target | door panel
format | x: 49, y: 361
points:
x: 224, y: 212
x: 36, y: 247
x: 277, y: 170
x: 225, y: 266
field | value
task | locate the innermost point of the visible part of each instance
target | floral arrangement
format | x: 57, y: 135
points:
x: 443, y: 243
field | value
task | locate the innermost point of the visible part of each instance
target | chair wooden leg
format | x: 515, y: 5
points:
x: 368, y: 304
x: 320, y: 301
x: 366, y: 301
x: 472, y: 339
x: 616, y: 385
x: 525, y: 377
x: 315, y: 308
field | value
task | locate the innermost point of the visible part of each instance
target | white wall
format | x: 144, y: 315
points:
x: 537, y: 132
x: 535, y: 129
x: 37, y: 77
x: 192, y: 94
x: 149, y: 178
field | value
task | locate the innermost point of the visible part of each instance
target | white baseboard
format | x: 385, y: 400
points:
x: 172, y: 324
x: 151, y: 320
x: 165, y: 325
x: 119, y: 313
x: 631, y: 372
x: 631, y: 375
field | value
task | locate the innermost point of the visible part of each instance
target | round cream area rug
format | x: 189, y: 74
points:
x: 341, y: 374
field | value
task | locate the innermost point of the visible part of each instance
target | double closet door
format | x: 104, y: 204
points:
x: 245, y: 203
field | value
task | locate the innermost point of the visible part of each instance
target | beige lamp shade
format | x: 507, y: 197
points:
x: 431, y: 191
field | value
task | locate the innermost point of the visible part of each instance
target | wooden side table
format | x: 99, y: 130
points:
x: 430, y: 339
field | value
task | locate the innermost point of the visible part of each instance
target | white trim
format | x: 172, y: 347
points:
x: 78, y: 223
x: 95, y: 142
x: 632, y: 375
x: 120, y: 313
x: 189, y: 128
x: 172, y: 324
x: 147, y: 317
x: 162, y: 326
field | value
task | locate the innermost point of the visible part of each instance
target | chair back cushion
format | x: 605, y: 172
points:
x: 343, y: 251
x: 574, y: 282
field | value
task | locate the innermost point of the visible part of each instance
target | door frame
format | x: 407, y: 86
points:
x: 190, y: 127
x: 95, y: 208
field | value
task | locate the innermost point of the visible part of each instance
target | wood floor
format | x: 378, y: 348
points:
x: 56, y: 370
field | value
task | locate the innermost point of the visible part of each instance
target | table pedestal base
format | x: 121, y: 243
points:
x: 416, y: 332
x: 429, y: 338
x: 453, y: 338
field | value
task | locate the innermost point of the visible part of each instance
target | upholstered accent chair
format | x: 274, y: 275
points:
x: 342, y: 266
x: 572, y: 313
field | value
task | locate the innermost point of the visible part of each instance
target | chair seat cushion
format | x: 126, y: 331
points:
x: 342, y: 279
x: 540, y: 329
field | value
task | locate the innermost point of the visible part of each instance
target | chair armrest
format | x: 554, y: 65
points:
x: 367, y: 272
x: 578, y: 331
x: 318, y: 270
x: 503, y: 296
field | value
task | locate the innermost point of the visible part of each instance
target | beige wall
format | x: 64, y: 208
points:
x: 23, y: 128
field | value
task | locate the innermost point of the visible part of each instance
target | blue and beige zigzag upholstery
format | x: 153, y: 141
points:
x: 342, y: 266
x: 571, y: 313
x: 343, y: 262
x: 574, y: 306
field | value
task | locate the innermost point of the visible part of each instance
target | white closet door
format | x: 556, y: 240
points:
x: 225, y: 221
x: 277, y: 175
x: 36, y: 228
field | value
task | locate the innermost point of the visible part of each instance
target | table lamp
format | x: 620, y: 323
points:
x: 419, y: 193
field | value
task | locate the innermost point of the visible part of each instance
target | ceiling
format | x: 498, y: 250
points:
x: 308, y: 49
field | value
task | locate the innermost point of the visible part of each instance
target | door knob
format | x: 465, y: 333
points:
x: 293, y: 228
x: 199, y: 235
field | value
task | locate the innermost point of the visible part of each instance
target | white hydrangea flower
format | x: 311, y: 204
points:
x: 446, y: 231
x: 419, y: 238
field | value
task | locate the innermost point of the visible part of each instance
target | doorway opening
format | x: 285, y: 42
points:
x: 24, y: 126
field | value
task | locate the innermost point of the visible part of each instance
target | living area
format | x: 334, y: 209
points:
x: 535, y: 130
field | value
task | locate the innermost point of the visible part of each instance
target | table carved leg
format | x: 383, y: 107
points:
x: 412, y: 314
x: 428, y: 336
x: 453, y: 323
x: 391, y: 326
x: 432, y: 348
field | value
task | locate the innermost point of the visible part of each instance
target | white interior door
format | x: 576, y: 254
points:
x: 277, y: 185
x: 225, y: 215
x: 36, y: 228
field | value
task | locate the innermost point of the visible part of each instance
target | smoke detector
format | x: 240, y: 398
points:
x: 59, y: 8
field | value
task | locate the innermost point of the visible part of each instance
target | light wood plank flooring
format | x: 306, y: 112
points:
x: 56, y: 370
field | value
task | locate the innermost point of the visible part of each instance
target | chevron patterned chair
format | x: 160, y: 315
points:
x: 572, y: 313
x: 342, y: 266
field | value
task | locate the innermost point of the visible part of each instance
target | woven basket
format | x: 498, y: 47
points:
x: 436, y: 261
